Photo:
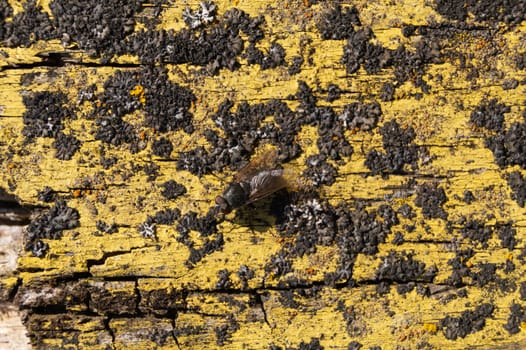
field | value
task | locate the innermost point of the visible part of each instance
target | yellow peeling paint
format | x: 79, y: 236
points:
x: 458, y: 161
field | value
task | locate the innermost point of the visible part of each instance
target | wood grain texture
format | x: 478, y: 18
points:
x: 413, y: 237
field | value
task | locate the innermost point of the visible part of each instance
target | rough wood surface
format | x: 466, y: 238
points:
x: 403, y: 122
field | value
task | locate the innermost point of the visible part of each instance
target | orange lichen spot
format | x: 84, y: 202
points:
x: 310, y: 271
x: 509, y: 257
x: 469, y: 264
x: 77, y: 193
x: 335, y: 138
x: 306, y: 3
x: 430, y: 327
x: 138, y: 91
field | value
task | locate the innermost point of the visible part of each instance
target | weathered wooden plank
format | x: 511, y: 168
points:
x: 401, y: 123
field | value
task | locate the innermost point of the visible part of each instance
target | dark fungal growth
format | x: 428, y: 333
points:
x: 273, y: 58
x: 211, y: 240
x: 165, y: 105
x: 360, y: 116
x: 26, y: 27
x: 507, y: 233
x: 200, y: 17
x: 312, y: 222
x: 66, y: 146
x: 477, y: 231
x: 319, y: 171
x: 47, y: 194
x: 243, y: 131
x: 50, y: 225
x: 511, y: 13
x: 162, y: 147
x: 516, y: 319
x: 400, y: 150
x: 489, y: 115
x: 430, y: 198
x: 104, y: 227
x: 98, y: 27
x: 508, y: 146
x: 517, y: 183
x: 338, y: 24
x: 214, y: 46
x: 172, y: 189
x: 402, y: 268
x: 45, y: 114
x: 148, y: 228
x: 469, y: 321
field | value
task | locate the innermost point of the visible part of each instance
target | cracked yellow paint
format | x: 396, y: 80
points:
x: 262, y: 310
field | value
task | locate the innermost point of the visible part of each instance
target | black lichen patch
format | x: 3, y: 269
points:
x: 165, y: 105
x: 223, y: 280
x: 355, y: 345
x: 403, y: 268
x: 468, y: 322
x: 214, y: 46
x: 245, y: 273
x: 400, y: 151
x: 517, y: 183
x: 331, y: 141
x: 204, y: 15
x: 45, y: 113
x: 489, y: 115
x: 26, y: 27
x: 172, y: 189
x: 338, y: 24
x: 314, y: 344
x: 477, y: 231
x: 104, y: 227
x: 522, y: 291
x: 50, y: 225
x: 511, y: 13
x: 508, y: 146
x: 98, y: 27
x: 387, y: 92
x: 430, y: 198
x: 516, y: 319
x: 360, y: 52
x: 243, y: 131
x: 313, y: 222
x: 148, y: 228
x: 6, y: 11
x: 460, y: 268
x: 207, y: 227
x: 362, y: 116
x: 506, y: 233
x: 275, y: 56
x: 318, y: 171
x: 224, y: 332
x: 209, y: 246
x: 47, y: 194
x: 66, y: 146
x: 481, y: 275
x: 162, y: 147
x: 333, y: 93
x: 408, y: 63
x: 166, y: 216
